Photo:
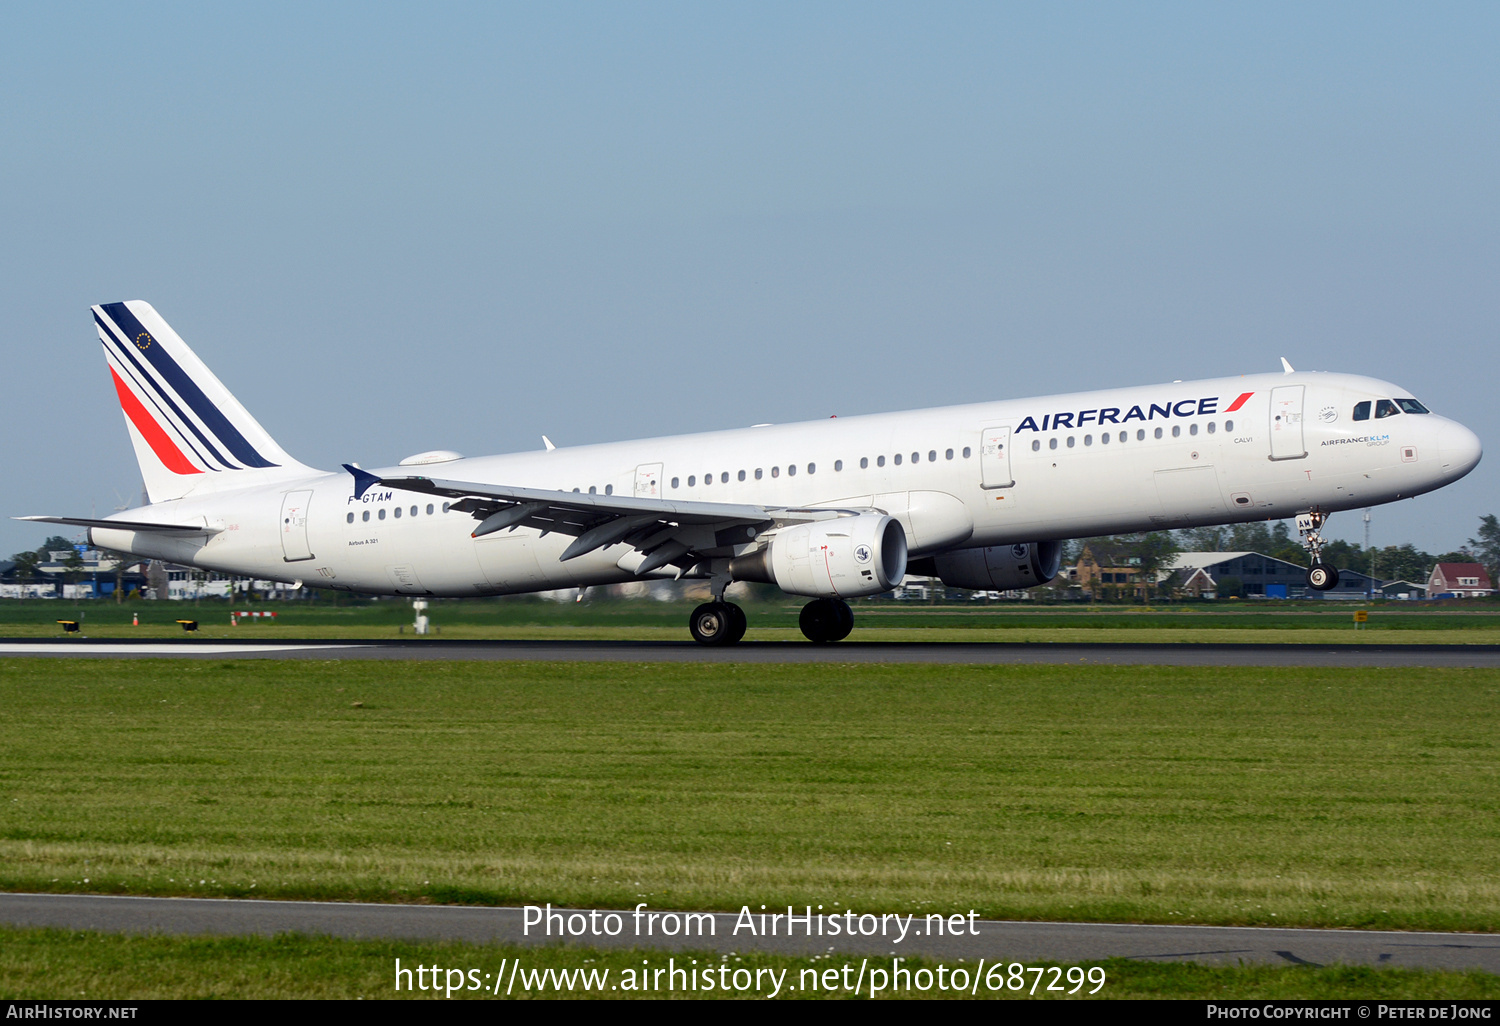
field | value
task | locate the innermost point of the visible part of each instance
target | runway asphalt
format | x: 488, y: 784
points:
x: 982, y: 653
x: 989, y: 939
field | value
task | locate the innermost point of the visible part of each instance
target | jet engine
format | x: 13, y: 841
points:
x: 1000, y: 567
x: 843, y: 557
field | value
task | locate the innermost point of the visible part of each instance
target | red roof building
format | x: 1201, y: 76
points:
x: 1459, y: 580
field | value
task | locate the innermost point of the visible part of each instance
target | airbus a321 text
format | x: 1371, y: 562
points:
x: 980, y: 496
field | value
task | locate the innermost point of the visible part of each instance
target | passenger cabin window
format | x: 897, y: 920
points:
x: 398, y: 512
x: 932, y: 456
x: 1140, y: 434
x: 742, y: 475
x: 838, y: 465
x: 896, y: 459
x: 1192, y: 429
x: 1362, y: 410
x: 791, y: 470
x: 365, y: 516
x: 864, y: 463
x: 966, y: 452
x: 724, y: 477
x: 674, y: 482
x: 1385, y: 408
x: 1036, y: 446
x: 1104, y: 438
x: 1229, y: 425
x: 1211, y: 427
x: 429, y: 509
x: 1158, y: 432
x: 1070, y: 441
x: 812, y: 468
x: 381, y: 514
x: 1176, y: 430
x: 880, y: 461
x: 1052, y: 443
x: 445, y: 506
x: 757, y: 473
x: 692, y: 480
x: 948, y: 455
x: 349, y: 519
x: 775, y: 471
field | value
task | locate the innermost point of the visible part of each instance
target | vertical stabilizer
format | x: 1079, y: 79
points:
x: 190, y: 434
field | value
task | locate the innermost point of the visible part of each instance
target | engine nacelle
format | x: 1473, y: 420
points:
x: 1000, y: 567
x: 844, y: 557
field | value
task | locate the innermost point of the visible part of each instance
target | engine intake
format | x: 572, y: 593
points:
x: 861, y: 554
x: 1000, y: 567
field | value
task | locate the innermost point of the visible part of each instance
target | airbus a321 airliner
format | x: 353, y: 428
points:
x: 980, y: 496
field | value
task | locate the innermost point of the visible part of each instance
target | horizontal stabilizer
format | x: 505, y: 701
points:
x: 125, y: 525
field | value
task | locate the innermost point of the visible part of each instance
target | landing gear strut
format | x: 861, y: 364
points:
x: 718, y: 622
x: 1320, y: 576
x: 824, y: 620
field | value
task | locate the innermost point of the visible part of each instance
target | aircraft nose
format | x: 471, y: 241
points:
x: 1458, y: 449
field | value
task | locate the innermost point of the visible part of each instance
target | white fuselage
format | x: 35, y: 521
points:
x: 1166, y: 456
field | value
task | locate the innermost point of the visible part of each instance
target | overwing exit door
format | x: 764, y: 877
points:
x: 1286, y: 422
x: 994, y: 458
x: 294, y: 526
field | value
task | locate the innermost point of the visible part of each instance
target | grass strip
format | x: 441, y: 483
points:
x: 72, y: 965
x: 1229, y: 795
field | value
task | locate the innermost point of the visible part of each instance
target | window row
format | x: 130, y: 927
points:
x: 1140, y: 435
x: 812, y: 468
x: 380, y: 513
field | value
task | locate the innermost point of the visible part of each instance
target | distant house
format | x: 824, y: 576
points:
x: 1403, y: 590
x: 1100, y: 568
x: 1459, y: 580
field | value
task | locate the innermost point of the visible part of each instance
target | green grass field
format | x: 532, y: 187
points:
x: 75, y: 965
x: 1220, y: 795
x: 529, y: 618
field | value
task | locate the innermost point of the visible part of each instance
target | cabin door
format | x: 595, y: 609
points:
x: 994, y: 458
x: 294, y: 526
x: 648, y: 481
x: 1286, y: 422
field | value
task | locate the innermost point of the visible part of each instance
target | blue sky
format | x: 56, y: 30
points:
x: 396, y: 228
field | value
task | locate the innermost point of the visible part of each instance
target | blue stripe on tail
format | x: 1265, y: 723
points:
x: 185, y: 387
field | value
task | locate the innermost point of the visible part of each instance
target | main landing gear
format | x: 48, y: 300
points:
x: 717, y: 623
x: 824, y: 620
x: 1320, y: 576
x: 723, y: 623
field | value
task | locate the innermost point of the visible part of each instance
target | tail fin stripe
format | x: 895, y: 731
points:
x: 186, y: 388
x: 148, y: 378
x: 130, y: 378
x: 170, y: 456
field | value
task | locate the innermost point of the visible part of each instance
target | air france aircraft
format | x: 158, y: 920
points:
x: 981, y: 496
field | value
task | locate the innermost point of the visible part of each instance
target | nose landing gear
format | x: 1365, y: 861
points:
x: 1320, y: 576
x: 825, y: 620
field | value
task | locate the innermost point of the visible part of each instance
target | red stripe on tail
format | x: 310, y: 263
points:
x: 1238, y: 402
x: 170, y: 456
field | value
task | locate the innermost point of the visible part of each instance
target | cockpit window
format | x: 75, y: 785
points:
x: 1411, y: 406
x: 1385, y: 408
x: 1362, y: 410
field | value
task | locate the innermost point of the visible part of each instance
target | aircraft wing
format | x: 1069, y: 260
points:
x: 126, y: 525
x: 665, y: 531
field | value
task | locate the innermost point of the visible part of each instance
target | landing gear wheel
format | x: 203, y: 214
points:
x: 825, y: 620
x: 1322, y: 577
x: 738, y: 623
x: 713, y: 623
